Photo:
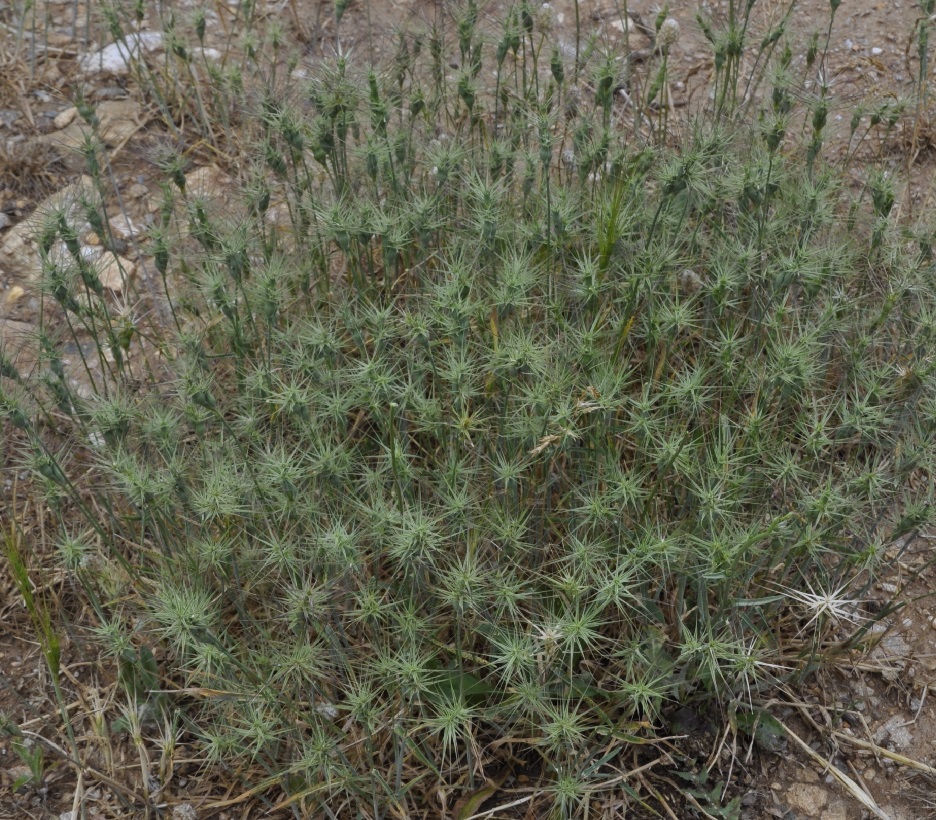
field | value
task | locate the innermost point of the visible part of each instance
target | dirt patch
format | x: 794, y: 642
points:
x: 873, y: 717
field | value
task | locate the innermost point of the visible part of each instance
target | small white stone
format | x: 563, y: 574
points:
x: 65, y: 118
x: 115, y: 272
x: 117, y: 57
x: 122, y: 227
x: 877, y: 51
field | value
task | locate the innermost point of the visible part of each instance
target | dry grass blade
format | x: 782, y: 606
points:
x: 490, y: 812
x: 850, y: 785
x: 880, y: 750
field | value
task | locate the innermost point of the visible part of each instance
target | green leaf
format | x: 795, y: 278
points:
x: 468, y: 806
x: 453, y: 683
x: 767, y: 731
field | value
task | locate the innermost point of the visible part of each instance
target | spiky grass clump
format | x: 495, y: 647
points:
x: 518, y: 437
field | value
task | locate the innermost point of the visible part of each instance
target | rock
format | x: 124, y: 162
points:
x: 12, y: 297
x: 16, y: 253
x: 65, y: 118
x: 8, y: 116
x: 19, y: 344
x: 50, y: 73
x: 207, y: 181
x: 809, y: 776
x: 836, y: 810
x: 807, y: 798
x: 118, y: 57
x: 277, y: 216
x: 895, y: 813
x: 5, y: 221
x: 894, y: 733
x: 19, y: 258
x: 122, y: 227
x: 115, y: 272
x: 59, y: 39
x: 119, y: 119
x: 109, y: 92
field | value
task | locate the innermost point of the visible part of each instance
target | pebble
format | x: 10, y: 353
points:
x: 123, y: 227
x: 807, y: 798
x: 877, y: 51
x: 895, y: 733
x: 13, y: 295
x: 110, y: 92
x: 115, y: 272
x: 117, y: 57
x: 65, y: 118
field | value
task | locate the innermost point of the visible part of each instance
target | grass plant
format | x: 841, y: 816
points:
x: 484, y: 420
